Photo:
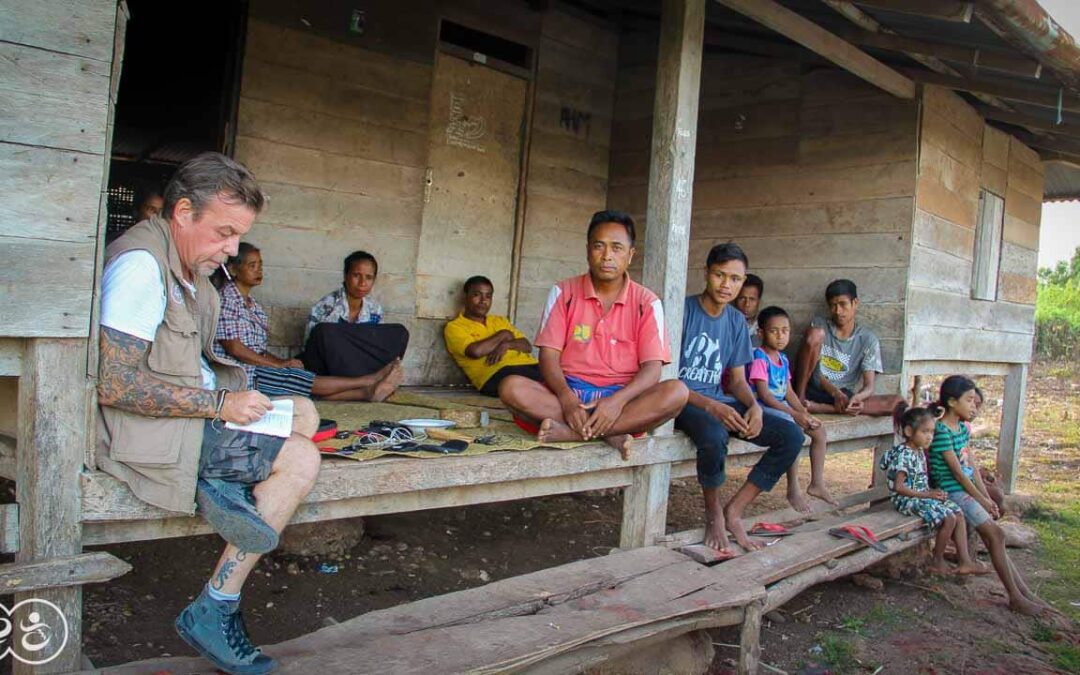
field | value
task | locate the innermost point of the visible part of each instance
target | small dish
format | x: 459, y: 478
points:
x: 422, y: 424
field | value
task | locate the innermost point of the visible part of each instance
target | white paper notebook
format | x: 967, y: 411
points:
x: 276, y: 422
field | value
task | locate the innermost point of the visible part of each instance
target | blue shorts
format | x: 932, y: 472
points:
x: 589, y: 392
x: 973, y: 510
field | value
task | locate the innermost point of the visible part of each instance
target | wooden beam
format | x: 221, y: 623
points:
x: 1069, y: 129
x: 1012, y: 426
x: 53, y: 403
x: 671, y: 168
x: 943, y: 10
x: 1035, y: 95
x: 844, y: 54
x: 75, y: 570
x: 871, y: 25
x: 972, y: 58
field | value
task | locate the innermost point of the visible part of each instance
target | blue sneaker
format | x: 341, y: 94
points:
x: 230, y: 509
x: 216, y: 630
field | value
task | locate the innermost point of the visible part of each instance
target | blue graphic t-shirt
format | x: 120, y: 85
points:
x: 710, y: 346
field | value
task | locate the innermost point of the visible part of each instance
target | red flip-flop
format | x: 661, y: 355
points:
x: 769, y: 530
x: 859, y: 533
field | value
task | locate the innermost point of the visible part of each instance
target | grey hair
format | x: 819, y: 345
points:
x: 209, y: 175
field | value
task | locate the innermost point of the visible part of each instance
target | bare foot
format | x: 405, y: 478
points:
x: 940, y: 570
x: 798, y: 503
x: 822, y: 493
x: 735, y: 526
x: 553, y: 431
x: 1024, y: 606
x: 716, y: 536
x: 620, y: 442
x: 386, y: 386
x: 973, y: 568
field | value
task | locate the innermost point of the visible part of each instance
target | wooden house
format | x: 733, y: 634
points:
x: 898, y: 143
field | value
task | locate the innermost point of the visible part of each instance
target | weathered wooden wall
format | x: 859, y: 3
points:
x: 337, y: 136
x: 337, y: 133
x: 54, y: 90
x: 811, y: 172
x: 959, y: 154
x: 568, y: 158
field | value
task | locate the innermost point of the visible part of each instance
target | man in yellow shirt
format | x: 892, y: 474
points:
x: 488, y: 348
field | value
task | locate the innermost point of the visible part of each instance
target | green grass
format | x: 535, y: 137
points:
x: 1059, y: 536
x: 853, y: 624
x: 1066, y: 656
x: 839, y: 652
x: 888, y: 616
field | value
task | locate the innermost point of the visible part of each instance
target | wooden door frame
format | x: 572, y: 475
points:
x: 530, y: 76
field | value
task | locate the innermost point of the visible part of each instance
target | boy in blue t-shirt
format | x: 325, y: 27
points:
x: 716, y: 341
x: 770, y: 377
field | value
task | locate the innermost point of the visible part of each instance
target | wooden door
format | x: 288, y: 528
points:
x: 471, y: 195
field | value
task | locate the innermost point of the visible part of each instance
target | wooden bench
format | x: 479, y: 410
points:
x: 570, y: 618
x: 111, y: 513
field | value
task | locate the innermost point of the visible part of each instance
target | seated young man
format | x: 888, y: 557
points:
x: 488, y: 349
x: 839, y: 360
x: 748, y: 301
x: 602, y: 344
x: 716, y: 342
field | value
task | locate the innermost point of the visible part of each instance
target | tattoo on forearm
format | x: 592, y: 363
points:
x: 122, y: 385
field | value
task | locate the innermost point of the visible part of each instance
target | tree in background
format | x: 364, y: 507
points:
x: 1057, y: 310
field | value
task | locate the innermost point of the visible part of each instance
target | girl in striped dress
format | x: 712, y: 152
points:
x: 953, y: 469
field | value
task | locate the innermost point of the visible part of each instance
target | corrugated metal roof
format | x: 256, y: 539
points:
x: 1062, y: 179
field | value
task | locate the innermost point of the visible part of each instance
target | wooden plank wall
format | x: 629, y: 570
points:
x: 337, y: 135
x: 54, y: 89
x: 568, y: 157
x: 812, y: 173
x: 959, y: 154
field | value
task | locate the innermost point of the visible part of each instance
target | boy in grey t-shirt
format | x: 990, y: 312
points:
x: 839, y: 360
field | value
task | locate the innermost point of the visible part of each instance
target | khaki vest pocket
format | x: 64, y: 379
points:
x: 150, y: 440
x: 176, y: 349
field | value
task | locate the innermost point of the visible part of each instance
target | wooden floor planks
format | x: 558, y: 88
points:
x: 578, y: 615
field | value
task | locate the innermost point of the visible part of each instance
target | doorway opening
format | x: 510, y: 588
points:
x: 177, y: 97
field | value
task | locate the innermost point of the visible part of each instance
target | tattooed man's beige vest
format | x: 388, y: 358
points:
x: 158, y: 457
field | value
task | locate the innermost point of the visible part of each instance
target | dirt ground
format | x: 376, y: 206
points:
x: 912, y: 625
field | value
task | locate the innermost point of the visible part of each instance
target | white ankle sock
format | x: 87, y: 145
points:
x: 221, y: 597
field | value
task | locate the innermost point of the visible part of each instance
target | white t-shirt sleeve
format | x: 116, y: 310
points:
x: 133, y: 295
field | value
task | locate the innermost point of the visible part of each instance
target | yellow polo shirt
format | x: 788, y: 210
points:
x: 462, y: 332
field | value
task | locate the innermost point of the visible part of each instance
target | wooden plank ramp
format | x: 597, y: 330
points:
x: 576, y: 616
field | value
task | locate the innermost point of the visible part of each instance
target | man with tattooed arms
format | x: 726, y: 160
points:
x: 165, y: 398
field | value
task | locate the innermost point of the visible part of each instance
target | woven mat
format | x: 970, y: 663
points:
x: 507, y: 436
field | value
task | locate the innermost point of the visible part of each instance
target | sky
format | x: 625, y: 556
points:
x: 1060, y: 232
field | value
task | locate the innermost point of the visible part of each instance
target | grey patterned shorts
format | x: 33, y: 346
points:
x: 237, y: 456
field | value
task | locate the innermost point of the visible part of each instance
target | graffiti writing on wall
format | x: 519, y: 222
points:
x: 463, y: 130
x: 575, y: 120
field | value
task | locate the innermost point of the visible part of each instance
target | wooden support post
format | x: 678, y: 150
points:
x: 53, y: 395
x: 880, y: 448
x: 916, y: 390
x: 750, y: 639
x: 645, y: 506
x: 671, y: 169
x: 1012, y: 425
